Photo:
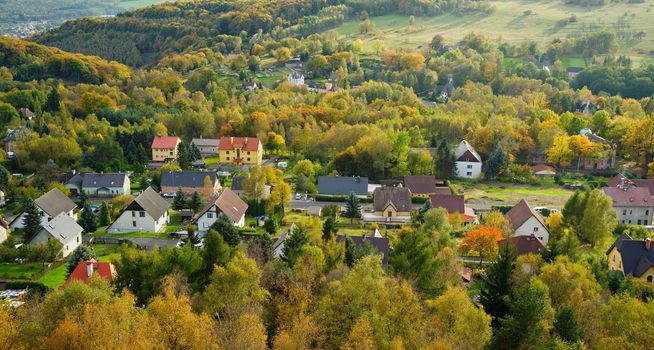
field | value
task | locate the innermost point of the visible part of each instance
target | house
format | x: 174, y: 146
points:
x: 296, y: 78
x: 314, y: 210
x: 12, y: 137
x: 250, y: 86
x: 278, y: 246
x: 26, y: 113
x: 342, y: 185
x: 634, y: 205
x: 572, y: 72
x: 390, y: 204
x: 2, y: 198
x: 633, y: 257
x: 603, y: 158
x: 228, y: 203
x: 523, y: 245
x: 620, y: 178
x: 207, y: 147
x: 381, y: 244
x: 468, y: 161
x: 148, y: 212
x: 526, y: 222
x: 205, y: 183
x: 49, y: 205
x: 543, y: 170
x: 164, y: 148
x: 421, y: 186
x: 240, y: 150
x: 4, y: 229
x: 64, y: 229
x: 100, y: 185
x: 454, y: 204
x: 87, y: 269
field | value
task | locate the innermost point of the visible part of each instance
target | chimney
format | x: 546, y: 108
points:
x: 246, y: 140
x: 648, y: 243
x: 89, y: 269
x: 231, y: 140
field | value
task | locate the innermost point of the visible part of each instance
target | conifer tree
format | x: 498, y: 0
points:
x: 352, y: 207
x: 496, y: 163
x: 293, y: 246
x: 329, y: 228
x: 104, y: 214
x: 496, y: 285
x: 180, y: 200
x: 196, y: 202
x: 88, y: 220
x: 32, y: 219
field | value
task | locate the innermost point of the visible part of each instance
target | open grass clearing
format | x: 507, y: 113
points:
x: 20, y: 271
x: 484, y: 196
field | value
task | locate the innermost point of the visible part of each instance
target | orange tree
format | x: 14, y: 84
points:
x: 482, y: 241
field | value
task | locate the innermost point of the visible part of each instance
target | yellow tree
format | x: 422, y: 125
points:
x: 560, y: 152
x: 482, y: 241
x: 9, y: 331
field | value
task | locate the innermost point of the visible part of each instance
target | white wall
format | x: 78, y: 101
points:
x: 126, y: 220
x: 533, y: 226
x: 468, y: 170
x: 631, y: 215
x: 3, y: 234
x: 207, y: 219
x: 68, y: 246
x: 18, y: 223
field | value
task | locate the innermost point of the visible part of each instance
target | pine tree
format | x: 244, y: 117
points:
x: 143, y: 183
x: 566, y: 325
x: 329, y: 228
x: 496, y: 163
x: 83, y: 198
x: 271, y: 225
x: 445, y: 162
x: 180, y: 200
x: 52, y: 104
x: 194, y: 152
x: 81, y: 253
x: 88, y: 220
x: 183, y: 156
x: 32, y: 220
x: 496, y: 285
x: 196, y: 202
x: 352, y: 207
x: 293, y: 246
x: 104, y: 214
x: 421, y: 212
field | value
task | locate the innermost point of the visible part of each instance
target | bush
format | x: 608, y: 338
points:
x: 32, y: 286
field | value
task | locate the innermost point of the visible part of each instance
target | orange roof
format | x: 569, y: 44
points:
x: 165, y: 142
x: 244, y: 143
x: 82, y: 273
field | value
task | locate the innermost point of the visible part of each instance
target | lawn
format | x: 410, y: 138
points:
x: 211, y: 161
x: 484, y: 196
x: 20, y: 271
x: 344, y: 225
x: 56, y: 277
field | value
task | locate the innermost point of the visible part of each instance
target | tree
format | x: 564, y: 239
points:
x: 496, y: 219
x: 445, y: 162
x: 271, y: 225
x: 105, y: 218
x: 32, y: 219
x: 496, y: 285
x: 280, y: 196
x: 566, y: 325
x: 352, y: 207
x: 88, y: 220
x: 496, y: 163
x: 482, y: 241
x: 179, y: 202
x: 365, y: 26
x: 354, y: 253
x: 254, y: 184
x: 216, y: 251
x: 183, y: 158
x: 194, y: 152
x: 294, y: 245
x: 226, y: 228
x: 599, y: 220
x: 329, y: 228
x: 80, y: 254
x: 560, y: 152
x: 196, y: 202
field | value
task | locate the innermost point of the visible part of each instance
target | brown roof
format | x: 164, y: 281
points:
x: 630, y: 196
x: 443, y: 191
x: 244, y: 143
x: 542, y: 167
x: 229, y: 203
x: 165, y: 142
x: 523, y: 244
x: 619, y: 179
x: 520, y: 213
x: 452, y: 203
x: 420, y: 184
x: 399, y: 197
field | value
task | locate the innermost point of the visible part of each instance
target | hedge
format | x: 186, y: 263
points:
x: 326, y: 198
x: 27, y: 284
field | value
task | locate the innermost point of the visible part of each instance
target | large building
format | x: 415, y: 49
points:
x: 100, y: 185
x: 207, y: 147
x: 342, y: 185
x: 146, y: 213
x: 63, y: 229
x: 527, y: 222
x: 228, y: 203
x: 240, y: 150
x: 468, y: 161
x: 205, y: 183
x: 49, y: 205
x: 633, y: 205
x: 164, y: 148
x: 390, y: 204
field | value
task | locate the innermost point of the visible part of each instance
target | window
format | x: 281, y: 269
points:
x: 78, y: 239
x: 647, y: 212
x: 613, y: 258
x: 171, y: 153
x: 540, y: 237
x: 638, y: 222
x: 469, y: 173
x: 469, y: 166
x: 624, y: 212
x: 248, y: 159
x: 631, y: 212
x: 133, y: 214
x: 650, y: 278
x: 248, y: 153
x: 645, y: 222
x: 535, y: 229
x: 142, y: 214
x: 133, y: 223
x: 210, y: 215
x: 227, y: 158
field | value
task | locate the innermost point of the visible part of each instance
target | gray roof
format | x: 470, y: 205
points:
x: 205, y: 142
x: 62, y: 227
x: 103, y: 180
x: 152, y: 203
x: 399, y: 197
x: 636, y: 258
x: 187, y: 178
x: 465, y: 150
x: 55, y: 202
x: 342, y: 185
x: 380, y: 243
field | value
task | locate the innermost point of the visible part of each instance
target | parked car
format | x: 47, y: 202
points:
x: 298, y: 196
x: 168, y: 194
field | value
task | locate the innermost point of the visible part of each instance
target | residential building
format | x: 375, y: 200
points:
x: 296, y: 78
x: 250, y: 86
x: 572, y: 72
x: 620, y: 178
x: 381, y: 244
x: 633, y: 257
x: 526, y: 222
x: 205, y: 183
x: 100, y: 185
x: 26, y: 113
x: 603, y: 158
x: 278, y: 246
x: 228, y: 203
x: 207, y: 147
x: 523, y: 244
x: 633, y: 205
x: 342, y: 185
x: 49, y: 205
x: 148, y: 212
x: 164, y: 148
x: 87, y: 269
x: 455, y: 205
x: 63, y: 229
x: 240, y: 150
x: 543, y: 170
x: 421, y: 186
x: 12, y: 137
x: 4, y: 229
x: 390, y: 204
x: 468, y: 161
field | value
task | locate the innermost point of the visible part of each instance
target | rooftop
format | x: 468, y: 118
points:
x: 165, y: 142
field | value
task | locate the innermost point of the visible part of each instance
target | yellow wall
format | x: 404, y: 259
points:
x: 229, y: 156
x: 649, y: 272
x: 615, y: 260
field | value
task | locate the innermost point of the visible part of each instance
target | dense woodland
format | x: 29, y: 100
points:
x: 181, y: 73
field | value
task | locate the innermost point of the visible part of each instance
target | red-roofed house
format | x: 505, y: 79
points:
x: 164, y: 148
x: 240, y: 150
x: 86, y: 269
x: 523, y: 244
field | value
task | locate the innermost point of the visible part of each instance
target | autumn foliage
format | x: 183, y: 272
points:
x: 481, y: 241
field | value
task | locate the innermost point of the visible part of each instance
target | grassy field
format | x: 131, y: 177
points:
x: 56, y: 277
x: 19, y: 271
x: 133, y: 4
x: 484, y: 196
x: 510, y: 23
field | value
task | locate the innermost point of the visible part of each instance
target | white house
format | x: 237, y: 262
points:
x: 147, y: 213
x: 64, y: 229
x: 100, y: 185
x: 296, y: 78
x: 527, y: 222
x: 50, y: 205
x: 228, y: 203
x: 468, y: 161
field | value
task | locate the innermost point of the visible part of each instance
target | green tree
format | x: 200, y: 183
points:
x: 445, y: 162
x: 179, y: 202
x: 329, y: 228
x: 271, y: 225
x: 566, y: 325
x: 183, y: 158
x: 496, y: 163
x: 81, y: 253
x: 294, y: 245
x: 32, y: 219
x: 226, y: 228
x: 105, y: 218
x: 599, y: 220
x: 352, y: 207
x: 196, y: 202
x: 414, y: 257
x: 495, y: 286
x: 88, y: 220
x: 421, y: 212
x: 194, y: 152
x: 354, y: 253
